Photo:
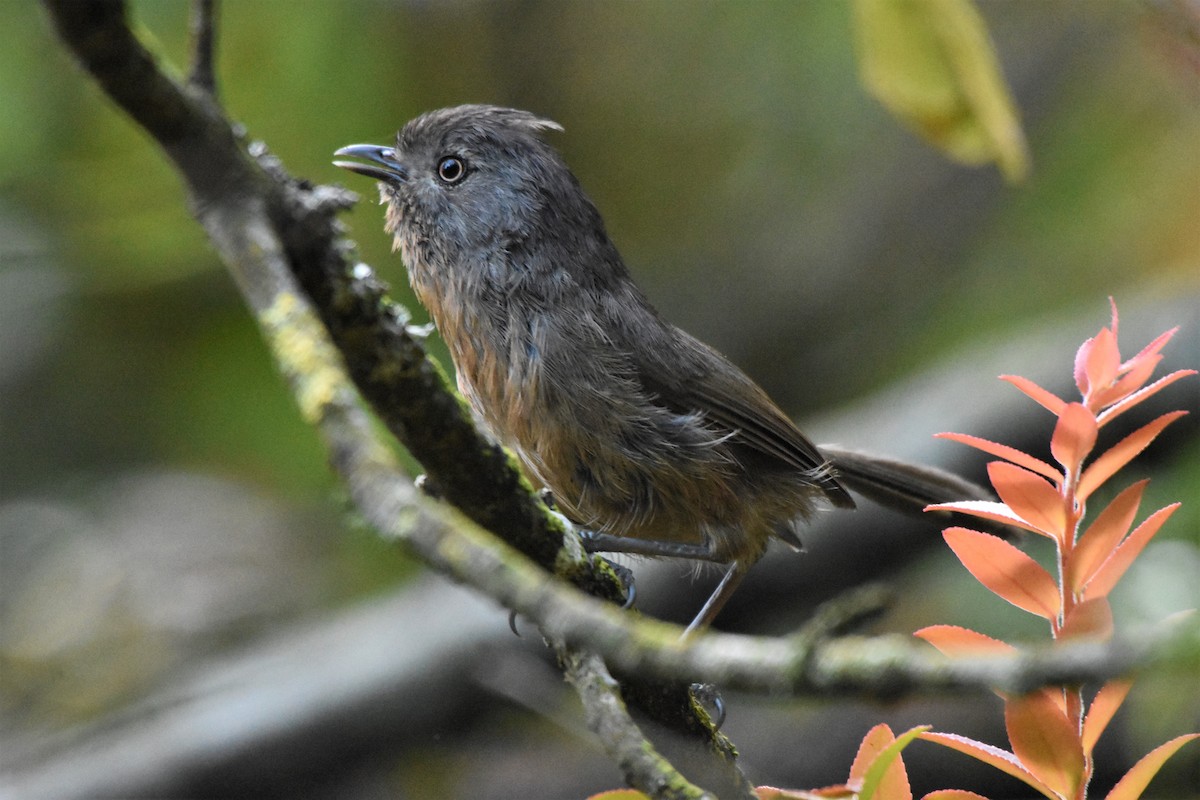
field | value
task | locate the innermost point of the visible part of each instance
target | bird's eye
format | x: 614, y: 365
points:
x: 451, y: 169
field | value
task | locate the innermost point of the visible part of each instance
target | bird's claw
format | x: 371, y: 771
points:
x: 625, y: 575
x: 707, y: 695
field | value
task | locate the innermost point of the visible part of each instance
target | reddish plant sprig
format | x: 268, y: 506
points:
x: 1052, y: 501
x: 1053, y: 732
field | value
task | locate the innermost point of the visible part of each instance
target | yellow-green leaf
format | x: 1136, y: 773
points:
x: 932, y: 64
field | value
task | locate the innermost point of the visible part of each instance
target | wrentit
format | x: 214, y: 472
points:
x: 648, y: 438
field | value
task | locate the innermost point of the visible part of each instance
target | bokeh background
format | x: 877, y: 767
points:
x: 163, y: 509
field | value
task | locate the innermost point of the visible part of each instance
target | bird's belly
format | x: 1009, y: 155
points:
x: 610, y: 474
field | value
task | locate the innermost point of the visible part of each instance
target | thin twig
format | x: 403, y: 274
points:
x: 606, y: 715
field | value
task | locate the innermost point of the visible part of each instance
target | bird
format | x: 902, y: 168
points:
x: 649, y: 440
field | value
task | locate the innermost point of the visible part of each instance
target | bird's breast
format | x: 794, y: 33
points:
x: 495, y: 356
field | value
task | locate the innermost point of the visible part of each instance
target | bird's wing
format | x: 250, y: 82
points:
x: 702, y: 380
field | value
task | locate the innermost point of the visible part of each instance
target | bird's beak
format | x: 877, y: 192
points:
x: 383, y: 165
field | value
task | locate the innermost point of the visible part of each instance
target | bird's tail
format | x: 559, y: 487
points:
x: 904, y: 486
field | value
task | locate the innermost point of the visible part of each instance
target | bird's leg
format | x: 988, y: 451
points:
x: 594, y: 542
x: 716, y: 601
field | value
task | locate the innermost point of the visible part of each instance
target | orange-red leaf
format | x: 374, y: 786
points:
x: 1102, y: 537
x: 1112, y: 305
x: 1131, y: 786
x: 1046, y: 399
x: 1101, y: 711
x: 872, y: 745
x: 772, y: 793
x: 1004, y: 451
x: 956, y: 642
x: 1091, y: 619
x: 1132, y: 400
x: 1002, y: 760
x: 1055, y: 695
x: 1074, y: 437
x: 1104, y: 360
x: 834, y: 792
x: 988, y: 510
x: 885, y: 776
x: 1137, y: 372
x: 953, y: 794
x: 952, y: 640
x: 1115, y: 565
x: 1097, y: 362
x: 1047, y: 744
x: 1121, y: 454
x: 1005, y: 570
x: 1154, y: 348
x: 1031, y: 497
